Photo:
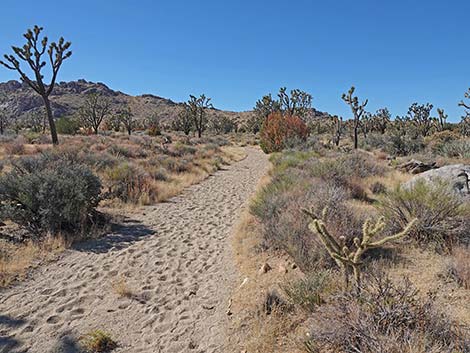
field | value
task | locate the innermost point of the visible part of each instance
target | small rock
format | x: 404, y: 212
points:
x: 282, y: 269
x: 293, y: 266
x: 245, y: 281
x: 264, y: 268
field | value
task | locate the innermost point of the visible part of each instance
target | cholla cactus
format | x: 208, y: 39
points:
x: 347, y: 258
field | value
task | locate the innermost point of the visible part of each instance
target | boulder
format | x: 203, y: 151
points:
x: 456, y: 175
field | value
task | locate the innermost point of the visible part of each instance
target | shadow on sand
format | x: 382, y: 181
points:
x: 7, y: 344
x: 121, y: 236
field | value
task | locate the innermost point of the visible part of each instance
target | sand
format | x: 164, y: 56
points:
x: 161, y: 283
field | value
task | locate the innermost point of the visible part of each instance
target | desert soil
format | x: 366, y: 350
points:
x: 174, y: 259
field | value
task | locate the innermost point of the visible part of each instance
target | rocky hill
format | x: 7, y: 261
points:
x: 67, y: 98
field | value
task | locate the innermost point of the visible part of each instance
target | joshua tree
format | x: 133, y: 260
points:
x: 420, y: 116
x: 127, y: 119
x: 441, y: 120
x: 357, y: 110
x: 32, y: 53
x: 338, y: 129
x: 465, y: 122
x: 298, y: 104
x: 95, y: 109
x: 381, y: 120
x: 197, y: 110
x: 463, y: 104
x: 346, y: 257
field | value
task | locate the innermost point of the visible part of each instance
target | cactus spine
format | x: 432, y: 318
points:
x: 348, y: 258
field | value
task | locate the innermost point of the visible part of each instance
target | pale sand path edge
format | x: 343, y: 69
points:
x: 176, y: 258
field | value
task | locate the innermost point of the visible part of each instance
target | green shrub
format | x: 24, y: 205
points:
x: 438, y: 140
x: 403, y: 145
x: 442, y: 216
x: 456, y: 149
x: 67, y: 126
x: 49, y: 194
x: 180, y: 149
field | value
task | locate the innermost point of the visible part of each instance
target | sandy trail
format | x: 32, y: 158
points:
x: 175, y: 257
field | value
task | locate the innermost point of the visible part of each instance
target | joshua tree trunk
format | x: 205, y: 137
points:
x: 355, y: 136
x: 50, y: 118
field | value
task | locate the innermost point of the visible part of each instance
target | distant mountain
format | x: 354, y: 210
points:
x: 68, y: 97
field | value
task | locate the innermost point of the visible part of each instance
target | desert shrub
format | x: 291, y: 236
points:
x: 403, y: 144
x: 97, y: 161
x: 378, y: 188
x: 278, y: 129
x: 438, y: 140
x: 98, y: 341
x: 355, y: 164
x: 290, y: 159
x: 386, y: 318
x: 309, y: 292
x: 129, y: 183
x: 374, y: 141
x: 180, y: 150
x: 278, y: 208
x: 49, y: 194
x: 456, y: 149
x: 16, y: 147
x: 67, y: 126
x: 219, y: 141
x: 121, y: 151
x: 158, y: 173
x: 442, y: 216
x: 460, y: 266
x: 346, y: 171
x: 273, y: 302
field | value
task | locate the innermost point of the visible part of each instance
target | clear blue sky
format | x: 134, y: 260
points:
x: 394, y: 52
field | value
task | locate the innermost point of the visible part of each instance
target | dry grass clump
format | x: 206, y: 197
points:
x: 17, y: 259
x: 386, y: 318
x: 98, y: 341
x: 15, y: 147
x: 122, y: 288
x: 442, y: 216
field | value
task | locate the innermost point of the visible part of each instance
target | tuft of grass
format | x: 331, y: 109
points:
x: 121, y: 288
x: 311, y: 291
x: 442, y: 216
x: 17, y: 259
x: 98, y: 341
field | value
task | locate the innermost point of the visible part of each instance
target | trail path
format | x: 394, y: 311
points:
x: 174, y: 256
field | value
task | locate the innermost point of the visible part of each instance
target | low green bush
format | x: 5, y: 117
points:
x: 49, y: 194
x: 67, y: 126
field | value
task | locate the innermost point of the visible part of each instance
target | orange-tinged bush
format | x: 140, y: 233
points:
x: 278, y: 130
